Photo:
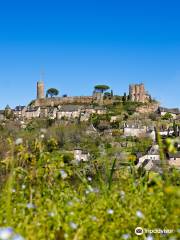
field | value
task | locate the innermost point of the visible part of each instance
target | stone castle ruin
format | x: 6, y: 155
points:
x: 137, y: 93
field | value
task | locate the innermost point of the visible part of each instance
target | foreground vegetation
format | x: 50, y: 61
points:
x: 44, y: 194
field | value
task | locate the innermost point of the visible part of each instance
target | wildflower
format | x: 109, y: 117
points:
x: 96, y: 190
x: 23, y: 186
x: 122, y: 194
x: 51, y: 214
x: 13, y: 190
x: 139, y: 214
x: 70, y: 203
x: 66, y: 235
x: 76, y: 199
x: 63, y: 174
x: 89, y: 190
x: 6, y: 233
x: 19, y: 141
x: 93, y: 218
x: 42, y: 136
x: 110, y: 211
x: 17, y: 237
x: 30, y: 206
x: 89, y: 179
x: 73, y: 225
x: 126, y: 236
x: 149, y: 237
x: 71, y: 213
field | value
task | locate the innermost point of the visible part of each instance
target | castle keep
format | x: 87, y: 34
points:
x: 137, y: 93
x: 40, y: 90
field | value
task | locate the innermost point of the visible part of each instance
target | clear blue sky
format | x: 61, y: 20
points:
x: 82, y: 43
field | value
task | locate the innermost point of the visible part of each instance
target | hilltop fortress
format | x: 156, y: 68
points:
x: 137, y: 93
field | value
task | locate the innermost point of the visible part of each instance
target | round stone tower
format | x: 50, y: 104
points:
x: 40, y: 90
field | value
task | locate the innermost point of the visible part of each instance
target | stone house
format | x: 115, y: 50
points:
x: 175, y: 112
x: 148, y: 160
x: 100, y: 110
x: 115, y: 119
x: 19, y: 111
x: 32, y: 112
x: 2, y: 117
x: 134, y: 131
x: 44, y: 112
x: 81, y: 155
x: 174, y: 159
x: 52, y: 113
x: 69, y: 111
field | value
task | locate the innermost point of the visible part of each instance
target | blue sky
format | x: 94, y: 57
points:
x: 78, y: 44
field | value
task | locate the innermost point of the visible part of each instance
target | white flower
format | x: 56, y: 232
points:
x: 23, y: 186
x: 89, y: 179
x: 42, y: 136
x: 30, y: 206
x: 19, y: 141
x: 73, y: 225
x: 13, y: 190
x: 71, y: 213
x: 149, y: 237
x: 122, y: 194
x: 126, y: 236
x: 63, y: 174
x: 51, y: 214
x: 93, y: 218
x: 70, y: 203
x: 139, y: 214
x: 6, y: 233
x: 110, y: 211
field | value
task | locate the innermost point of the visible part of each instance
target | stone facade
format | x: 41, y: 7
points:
x: 137, y: 93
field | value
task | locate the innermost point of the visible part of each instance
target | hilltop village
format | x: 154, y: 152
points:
x: 122, y: 122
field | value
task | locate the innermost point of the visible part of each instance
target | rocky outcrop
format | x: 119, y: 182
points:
x: 148, y: 108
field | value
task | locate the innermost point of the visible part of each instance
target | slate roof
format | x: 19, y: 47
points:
x: 170, y: 110
x: 70, y: 108
x: 19, y: 108
x: 174, y: 155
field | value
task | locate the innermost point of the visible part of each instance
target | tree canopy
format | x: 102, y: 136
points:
x: 101, y: 88
x: 52, y: 92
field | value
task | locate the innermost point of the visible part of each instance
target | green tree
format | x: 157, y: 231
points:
x: 167, y: 116
x: 101, y: 88
x: 52, y: 92
x: 124, y: 98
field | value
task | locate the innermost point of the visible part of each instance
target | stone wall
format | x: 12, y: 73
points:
x: 47, y: 102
